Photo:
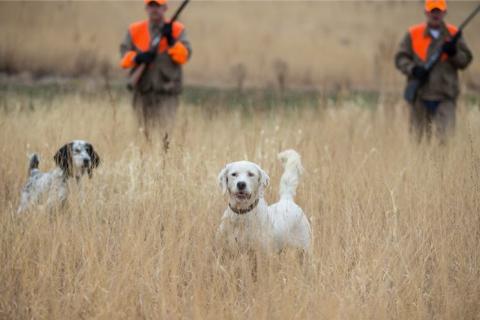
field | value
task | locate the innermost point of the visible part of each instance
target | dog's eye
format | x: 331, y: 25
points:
x: 234, y: 174
x: 251, y: 174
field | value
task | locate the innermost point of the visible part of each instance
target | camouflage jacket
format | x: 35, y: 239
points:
x: 442, y: 83
x: 162, y: 75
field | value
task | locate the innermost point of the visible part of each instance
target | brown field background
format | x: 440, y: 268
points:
x: 323, y: 44
x: 395, y: 224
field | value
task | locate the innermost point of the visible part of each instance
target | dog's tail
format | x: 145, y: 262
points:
x: 33, y: 163
x: 293, y: 170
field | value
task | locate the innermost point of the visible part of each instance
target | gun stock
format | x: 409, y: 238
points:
x: 411, y: 91
x: 135, y: 76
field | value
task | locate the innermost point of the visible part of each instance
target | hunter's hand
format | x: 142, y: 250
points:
x: 144, y: 57
x: 450, y: 47
x: 419, y: 72
x: 178, y: 53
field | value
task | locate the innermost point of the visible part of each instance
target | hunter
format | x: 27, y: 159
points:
x: 156, y: 94
x: 435, y: 101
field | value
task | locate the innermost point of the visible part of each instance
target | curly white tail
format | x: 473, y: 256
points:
x: 292, y: 164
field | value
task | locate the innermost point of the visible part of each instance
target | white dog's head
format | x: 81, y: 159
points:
x: 245, y: 182
x: 76, y: 158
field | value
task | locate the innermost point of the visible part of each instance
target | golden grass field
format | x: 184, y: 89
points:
x: 324, y: 44
x: 396, y: 225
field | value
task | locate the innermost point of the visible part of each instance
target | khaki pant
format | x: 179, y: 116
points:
x: 423, y: 119
x: 156, y: 112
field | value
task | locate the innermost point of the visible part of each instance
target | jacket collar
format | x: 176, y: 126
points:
x: 444, y: 33
x: 155, y: 28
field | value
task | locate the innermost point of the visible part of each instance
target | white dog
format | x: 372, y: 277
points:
x: 73, y: 160
x: 249, y: 222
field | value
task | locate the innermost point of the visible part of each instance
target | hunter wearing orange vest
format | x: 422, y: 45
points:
x: 155, y: 96
x: 435, y: 102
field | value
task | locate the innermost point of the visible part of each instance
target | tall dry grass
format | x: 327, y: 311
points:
x: 323, y: 43
x: 395, y: 224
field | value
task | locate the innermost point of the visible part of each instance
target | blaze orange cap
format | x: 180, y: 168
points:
x: 435, y: 4
x: 159, y: 2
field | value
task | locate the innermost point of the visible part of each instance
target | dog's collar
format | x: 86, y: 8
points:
x: 246, y: 210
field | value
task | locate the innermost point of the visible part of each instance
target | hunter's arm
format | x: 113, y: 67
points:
x: 127, y: 52
x: 181, y: 51
x: 463, y: 57
x: 404, y: 56
x: 184, y: 40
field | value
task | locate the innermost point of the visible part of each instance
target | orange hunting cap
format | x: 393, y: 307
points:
x: 435, y: 4
x: 159, y: 2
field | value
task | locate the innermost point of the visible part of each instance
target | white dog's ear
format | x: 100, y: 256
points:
x: 264, y: 180
x: 223, y: 179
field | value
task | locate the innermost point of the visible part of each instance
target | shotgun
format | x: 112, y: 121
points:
x: 415, y: 84
x: 139, y: 70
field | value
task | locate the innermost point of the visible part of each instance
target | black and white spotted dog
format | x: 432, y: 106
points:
x: 51, y: 188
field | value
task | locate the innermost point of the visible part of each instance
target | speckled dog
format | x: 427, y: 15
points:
x: 73, y: 160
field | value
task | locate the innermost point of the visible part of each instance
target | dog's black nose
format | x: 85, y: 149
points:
x: 241, y: 185
x: 86, y: 162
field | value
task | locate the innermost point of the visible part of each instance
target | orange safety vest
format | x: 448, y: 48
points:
x: 140, y: 36
x: 421, y: 41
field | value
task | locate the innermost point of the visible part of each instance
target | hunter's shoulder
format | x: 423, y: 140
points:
x: 138, y: 24
x: 418, y: 27
x: 451, y: 28
x: 406, y: 40
x: 177, y: 28
x: 177, y: 25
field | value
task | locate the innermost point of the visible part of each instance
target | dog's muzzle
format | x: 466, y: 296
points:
x: 86, y: 163
x: 242, y: 195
